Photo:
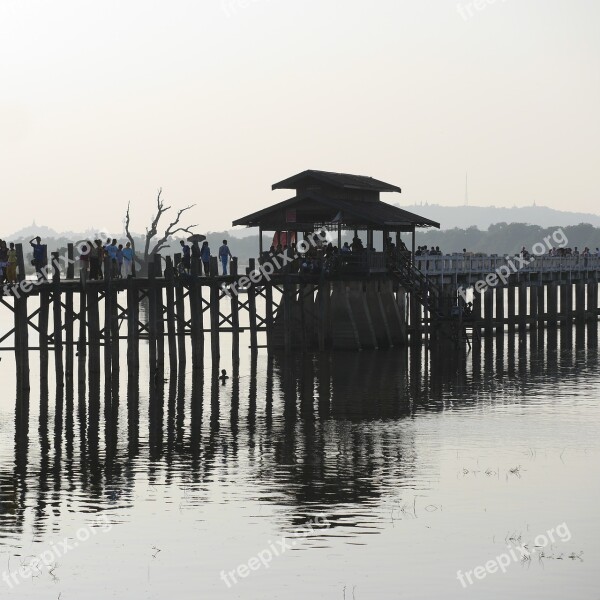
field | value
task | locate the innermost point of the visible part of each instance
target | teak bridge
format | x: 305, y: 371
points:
x: 314, y: 300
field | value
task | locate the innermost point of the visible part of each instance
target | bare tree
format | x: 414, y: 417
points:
x: 152, y: 231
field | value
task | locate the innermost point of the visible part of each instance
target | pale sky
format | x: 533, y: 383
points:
x: 103, y: 102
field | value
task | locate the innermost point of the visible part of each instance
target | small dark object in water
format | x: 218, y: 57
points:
x: 158, y: 377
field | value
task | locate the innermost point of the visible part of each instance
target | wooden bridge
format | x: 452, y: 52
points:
x: 352, y: 300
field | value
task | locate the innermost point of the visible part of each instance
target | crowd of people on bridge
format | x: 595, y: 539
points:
x: 120, y: 258
x: 571, y: 252
x: 425, y: 251
x: 203, y: 254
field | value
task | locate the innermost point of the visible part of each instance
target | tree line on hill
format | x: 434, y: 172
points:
x: 506, y: 238
x: 500, y: 238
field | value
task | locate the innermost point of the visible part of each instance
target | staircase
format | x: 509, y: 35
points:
x: 417, y: 284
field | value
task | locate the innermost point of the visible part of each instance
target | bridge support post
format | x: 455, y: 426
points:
x: 580, y: 301
x: 196, y: 316
x: 552, y: 291
x: 522, y: 290
x: 500, y: 310
x: 566, y: 300
x: 533, y: 306
x: 510, y: 291
x: 488, y: 300
x: 541, y: 305
x: 592, y: 300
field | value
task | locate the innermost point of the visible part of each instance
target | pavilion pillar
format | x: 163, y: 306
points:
x: 260, y: 241
x: 339, y: 227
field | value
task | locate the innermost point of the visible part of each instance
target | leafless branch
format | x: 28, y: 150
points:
x: 127, y: 232
x: 152, y: 231
x: 172, y: 229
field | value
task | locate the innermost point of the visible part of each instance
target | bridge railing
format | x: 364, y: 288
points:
x: 461, y: 264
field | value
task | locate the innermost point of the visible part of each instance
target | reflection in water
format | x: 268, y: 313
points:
x: 300, y: 425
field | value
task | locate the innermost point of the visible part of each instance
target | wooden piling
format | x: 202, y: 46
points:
x: 82, y: 341
x: 269, y: 315
x: 287, y: 316
x: 180, y: 310
x: 108, y: 306
x: 566, y: 296
x: 196, y: 316
x: 214, y: 266
x: 160, y: 314
x: 541, y: 303
x: 252, y: 309
x: 93, y: 316
x: 580, y: 301
x: 43, y: 317
x: 170, y: 297
x: 69, y: 314
x: 552, y: 292
x: 322, y: 297
x: 57, y: 319
x: 133, y: 336
x: 533, y: 309
x: 500, y: 310
x: 510, y: 291
x: 152, y: 319
x: 235, y: 326
x: 488, y: 299
x: 214, y: 321
x: 522, y: 292
x: 592, y: 300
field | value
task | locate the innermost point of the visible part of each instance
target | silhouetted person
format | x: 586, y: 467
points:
x: 38, y: 255
x: 205, y: 256
x: 224, y: 256
x: 223, y: 377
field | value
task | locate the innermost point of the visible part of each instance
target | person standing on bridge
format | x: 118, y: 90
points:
x: 11, y: 270
x: 38, y: 255
x: 3, y: 261
x: 120, y: 259
x: 186, y: 258
x: 127, y: 260
x: 224, y: 255
x: 111, y: 251
x: 205, y: 256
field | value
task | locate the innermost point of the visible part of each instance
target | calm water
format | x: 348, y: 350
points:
x: 417, y: 465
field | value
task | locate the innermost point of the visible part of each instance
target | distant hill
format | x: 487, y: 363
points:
x: 482, y: 217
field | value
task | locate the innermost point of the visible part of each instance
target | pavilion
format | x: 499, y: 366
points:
x: 336, y: 201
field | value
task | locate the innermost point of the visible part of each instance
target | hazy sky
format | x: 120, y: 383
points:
x: 102, y: 102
